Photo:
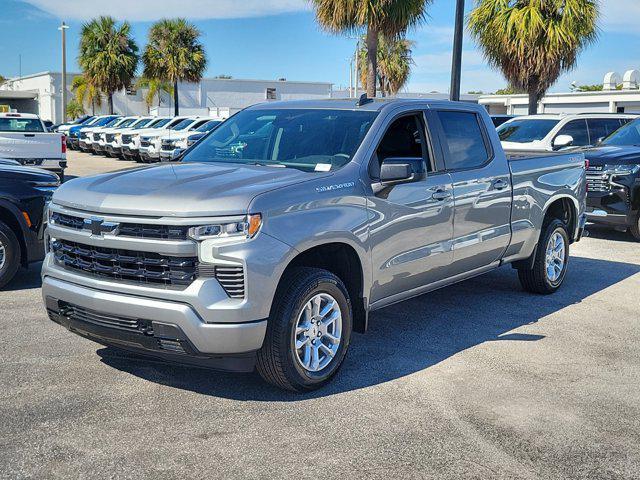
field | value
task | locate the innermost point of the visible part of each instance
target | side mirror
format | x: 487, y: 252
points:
x: 177, y: 153
x: 401, y: 170
x: 562, y: 141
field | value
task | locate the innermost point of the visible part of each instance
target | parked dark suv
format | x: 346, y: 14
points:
x: 613, y: 180
x: 24, y: 194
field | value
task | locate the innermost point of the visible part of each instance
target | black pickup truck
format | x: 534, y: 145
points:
x: 613, y: 180
x: 24, y: 194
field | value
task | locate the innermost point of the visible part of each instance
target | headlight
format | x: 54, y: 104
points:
x: 45, y: 186
x: 629, y: 169
x: 247, y: 228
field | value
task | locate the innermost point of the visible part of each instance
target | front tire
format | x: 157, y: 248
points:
x: 635, y: 228
x: 308, y: 331
x: 9, y: 254
x: 551, y: 261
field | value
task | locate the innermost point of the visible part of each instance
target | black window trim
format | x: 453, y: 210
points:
x: 416, y: 113
x: 483, y: 132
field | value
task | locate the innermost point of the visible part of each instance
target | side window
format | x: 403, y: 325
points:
x: 578, y: 130
x: 463, y: 141
x: 404, y: 138
x: 600, y: 128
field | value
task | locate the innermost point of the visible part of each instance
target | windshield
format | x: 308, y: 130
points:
x: 20, y: 125
x: 208, y: 126
x: 140, y: 123
x: 112, y: 122
x: 310, y: 140
x: 627, y: 135
x: 126, y: 123
x: 526, y: 130
x: 159, y: 123
x: 183, y: 124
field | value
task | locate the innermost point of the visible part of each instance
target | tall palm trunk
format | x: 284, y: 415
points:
x: 534, y: 96
x: 175, y: 98
x: 372, y: 61
x: 111, y: 104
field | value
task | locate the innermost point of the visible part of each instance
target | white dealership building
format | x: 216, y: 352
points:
x: 41, y: 93
x: 619, y: 94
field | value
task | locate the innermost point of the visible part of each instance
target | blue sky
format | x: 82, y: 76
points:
x: 269, y: 39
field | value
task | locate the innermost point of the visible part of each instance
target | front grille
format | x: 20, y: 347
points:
x: 142, y: 267
x: 230, y: 277
x: 84, y: 135
x: 110, y: 137
x: 168, y: 145
x: 160, y: 232
x: 96, y: 137
x: 126, y: 138
x: 145, y: 142
x: 598, y: 183
x: 128, y: 324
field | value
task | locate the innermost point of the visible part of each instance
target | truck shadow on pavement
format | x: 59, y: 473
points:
x: 408, y: 337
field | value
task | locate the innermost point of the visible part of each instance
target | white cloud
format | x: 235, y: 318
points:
x: 146, y: 10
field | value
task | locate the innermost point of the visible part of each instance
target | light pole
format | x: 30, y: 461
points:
x: 456, y: 63
x: 63, y: 29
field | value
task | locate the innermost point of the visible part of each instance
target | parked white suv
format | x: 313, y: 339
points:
x: 558, y: 131
x: 170, y: 146
x: 150, y: 142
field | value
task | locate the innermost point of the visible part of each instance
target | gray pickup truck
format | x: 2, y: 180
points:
x: 269, y: 242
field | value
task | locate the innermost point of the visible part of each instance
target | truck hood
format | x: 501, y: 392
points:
x: 177, y: 189
x: 612, y: 155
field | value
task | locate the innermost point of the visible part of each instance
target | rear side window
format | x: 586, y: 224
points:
x: 20, y: 125
x: 600, y: 128
x: 464, y: 142
x: 578, y: 130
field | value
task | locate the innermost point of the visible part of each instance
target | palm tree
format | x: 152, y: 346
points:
x: 75, y: 109
x: 86, y: 93
x: 534, y: 41
x: 174, y: 54
x: 108, y: 55
x: 394, y: 64
x: 155, y: 87
x: 388, y: 17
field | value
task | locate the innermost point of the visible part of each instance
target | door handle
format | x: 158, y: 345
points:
x: 500, y: 184
x: 441, y: 195
x: 29, y: 134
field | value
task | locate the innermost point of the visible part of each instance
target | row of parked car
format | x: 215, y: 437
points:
x: 143, y: 139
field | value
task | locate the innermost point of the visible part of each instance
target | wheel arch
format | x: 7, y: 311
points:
x: 12, y: 217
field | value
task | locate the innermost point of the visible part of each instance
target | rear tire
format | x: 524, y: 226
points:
x: 9, y: 254
x: 295, y: 353
x: 551, y: 261
x: 635, y: 228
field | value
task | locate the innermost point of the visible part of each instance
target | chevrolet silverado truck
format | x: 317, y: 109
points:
x: 272, y: 239
x: 24, y: 138
x: 613, y: 180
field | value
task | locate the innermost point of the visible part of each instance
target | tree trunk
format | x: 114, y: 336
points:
x: 372, y: 61
x: 111, y: 104
x: 533, y: 103
x: 176, y: 109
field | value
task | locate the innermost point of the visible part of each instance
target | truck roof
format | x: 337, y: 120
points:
x: 376, y: 104
x: 18, y: 115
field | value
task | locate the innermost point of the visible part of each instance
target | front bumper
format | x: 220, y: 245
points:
x: 113, y: 150
x: 52, y: 164
x: 153, y: 327
x: 611, y: 208
x: 150, y: 154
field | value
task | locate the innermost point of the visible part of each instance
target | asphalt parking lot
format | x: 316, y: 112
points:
x: 479, y: 380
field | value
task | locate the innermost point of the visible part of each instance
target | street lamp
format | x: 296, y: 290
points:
x: 456, y: 63
x: 63, y: 28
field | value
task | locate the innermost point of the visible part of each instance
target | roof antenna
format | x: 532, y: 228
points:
x: 363, y: 100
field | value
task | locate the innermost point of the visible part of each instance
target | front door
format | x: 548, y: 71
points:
x: 411, y: 224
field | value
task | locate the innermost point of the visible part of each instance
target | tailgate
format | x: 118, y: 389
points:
x: 25, y: 145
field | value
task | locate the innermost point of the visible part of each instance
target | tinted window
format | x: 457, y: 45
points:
x: 627, y: 135
x: 307, y: 139
x: 525, y: 130
x: 464, y: 142
x: 403, y: 139
x: 578, y: 130
x: 600, y: 128
x: 20, y: 125
x: 208, y: 126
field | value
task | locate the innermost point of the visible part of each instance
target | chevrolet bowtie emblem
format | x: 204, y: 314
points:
x: 98, y: 226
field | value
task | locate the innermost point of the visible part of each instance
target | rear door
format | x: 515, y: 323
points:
x: 25, y: 138
x: 481, y: 187
x: 601, y: 128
